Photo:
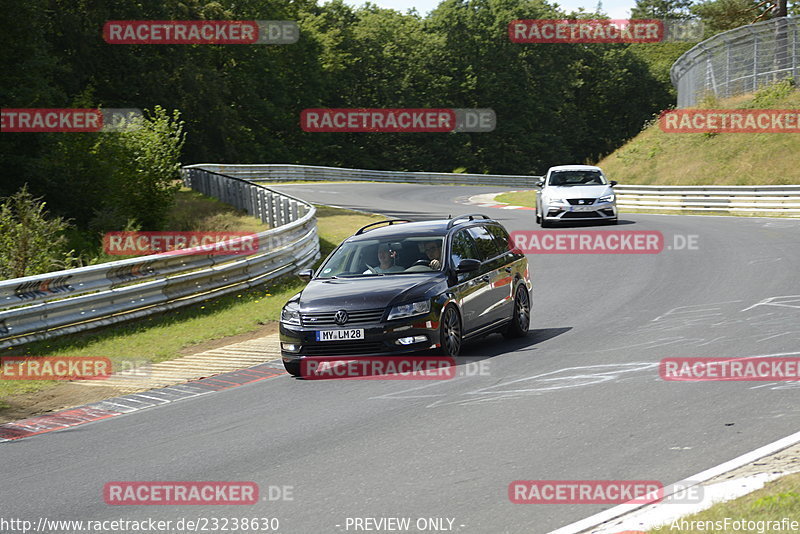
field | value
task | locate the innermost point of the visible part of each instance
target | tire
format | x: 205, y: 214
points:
x: 545, y: 224
x: 538, y: 217
x: 521, y: 318
x: 293, y: 367
x: 450, y: 332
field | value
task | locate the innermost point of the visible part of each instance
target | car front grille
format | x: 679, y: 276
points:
x: 581, y: 201
x: 353, y: 318
x: 343, y: 349
x: 580, y: 215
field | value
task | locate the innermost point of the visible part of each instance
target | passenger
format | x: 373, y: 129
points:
x: 386, y: 261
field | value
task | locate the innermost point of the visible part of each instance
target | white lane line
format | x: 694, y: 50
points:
x: 771, y: 302
x: 598, y: 519
x: 774, y: 335
x: 685, y: 309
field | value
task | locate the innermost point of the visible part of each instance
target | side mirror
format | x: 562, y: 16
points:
x: 540, y: 183
x: 613, y: 183
x: 306, y: 275
x: 468, y: 265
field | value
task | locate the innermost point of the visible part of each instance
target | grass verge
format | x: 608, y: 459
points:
x: 168, y: 335
x: 776, y: 500
x: 655, y: 157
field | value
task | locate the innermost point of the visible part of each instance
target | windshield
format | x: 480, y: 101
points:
x: 382, y: 257
x: 562, y: 178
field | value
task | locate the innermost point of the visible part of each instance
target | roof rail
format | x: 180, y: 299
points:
x: 389, y: 222
x: 470, y: 216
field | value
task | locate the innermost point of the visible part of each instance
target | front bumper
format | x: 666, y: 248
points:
x: 566, y: 212
x: 380, y: 339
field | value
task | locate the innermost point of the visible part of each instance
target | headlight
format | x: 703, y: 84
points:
x: 290, y: 315
x: 555, y: 201
x: 607, y: 198
x: 409, y: 310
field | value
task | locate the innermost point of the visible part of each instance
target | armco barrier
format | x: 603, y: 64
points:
x: 742, y: 199
x: 773, y: 200
x: 291, y: 173
x: 51, y: 304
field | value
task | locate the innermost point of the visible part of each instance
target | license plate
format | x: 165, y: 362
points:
x: 581, y: 208
x: 340, y: 335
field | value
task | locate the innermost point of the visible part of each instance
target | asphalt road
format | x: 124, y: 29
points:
x: 579, y: 399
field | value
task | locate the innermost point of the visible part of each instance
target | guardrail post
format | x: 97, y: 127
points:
x: 270, y: 209
x: 284, y: 210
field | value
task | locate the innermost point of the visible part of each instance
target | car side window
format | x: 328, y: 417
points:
x: 462, y: 248
x: 485, y: 244
x: 500, y: 236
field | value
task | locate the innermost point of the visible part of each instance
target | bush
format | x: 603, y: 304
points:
x: 147, y: 168
x: 31, y: 242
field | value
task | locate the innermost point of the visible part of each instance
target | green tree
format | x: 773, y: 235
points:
x: 31, y: 241
x: 661, y: 9
x: 146, y: 167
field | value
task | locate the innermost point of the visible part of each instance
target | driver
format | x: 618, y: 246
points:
x: 433, y: 249
x: 386, y: 261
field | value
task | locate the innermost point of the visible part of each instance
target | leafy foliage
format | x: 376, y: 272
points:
x: 31, y: 242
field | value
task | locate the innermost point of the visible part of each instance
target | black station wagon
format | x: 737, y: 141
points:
x: 399, y: 287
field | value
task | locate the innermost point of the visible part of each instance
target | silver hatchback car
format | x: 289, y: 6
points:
x: 575, y: 193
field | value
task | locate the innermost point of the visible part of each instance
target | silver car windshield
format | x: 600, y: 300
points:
x: 565, y: 178
x: 385, y: 257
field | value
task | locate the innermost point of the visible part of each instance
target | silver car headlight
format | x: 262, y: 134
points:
x: 556, y: 201
x: 608, y: 198
x: 290, y: 315
x: 409, y: 310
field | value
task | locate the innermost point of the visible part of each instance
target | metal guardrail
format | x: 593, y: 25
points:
x: 62, y: 302
x: 784, y: 200
x: 738, y: 61
x: 768, y: 199
x: 292, y: 173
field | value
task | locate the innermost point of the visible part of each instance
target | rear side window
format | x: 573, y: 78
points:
x: 485, y: 243
x: 463, y: 247
x: 500, y: 236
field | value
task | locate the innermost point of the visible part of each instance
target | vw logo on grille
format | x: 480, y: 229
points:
x: 340, y: 317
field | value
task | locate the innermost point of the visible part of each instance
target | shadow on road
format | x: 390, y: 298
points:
x: 496, y: 345
x: 586, y: 224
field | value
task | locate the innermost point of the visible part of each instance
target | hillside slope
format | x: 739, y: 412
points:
x: 659, y: 158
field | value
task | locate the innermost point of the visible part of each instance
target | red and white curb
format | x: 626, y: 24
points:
x: 136, y: 401
x: 643, y: 517
x: 486, y: 200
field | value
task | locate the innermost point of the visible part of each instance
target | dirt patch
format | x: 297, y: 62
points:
x: 66, y: 395
x: 58, y: 397
x: 264, y: 330
x: 785, y: 461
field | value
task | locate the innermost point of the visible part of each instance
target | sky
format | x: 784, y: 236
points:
x: 616, y: 9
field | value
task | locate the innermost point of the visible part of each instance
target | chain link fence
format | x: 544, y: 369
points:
x: 738, y: 61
